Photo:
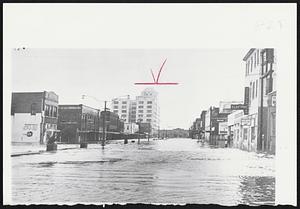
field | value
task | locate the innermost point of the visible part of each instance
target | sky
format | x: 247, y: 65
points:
x: 205, y: 77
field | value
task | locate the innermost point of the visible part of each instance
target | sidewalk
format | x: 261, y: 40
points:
x: 31, y: 149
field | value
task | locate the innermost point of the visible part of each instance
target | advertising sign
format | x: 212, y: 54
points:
x: 245, y: 122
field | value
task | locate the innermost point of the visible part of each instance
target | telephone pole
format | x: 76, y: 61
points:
x: 104, y: 125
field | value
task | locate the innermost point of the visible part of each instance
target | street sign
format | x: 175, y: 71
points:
x: 221, y: 119
x: 239, y: 106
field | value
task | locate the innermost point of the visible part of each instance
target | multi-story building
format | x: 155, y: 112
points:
x: 144, y: 109
x: 122, y: 107
x: 33, y: 113
x: 147, y: 109
x: 202, y: 124
x: 259, y: 85
x: 78, y: 123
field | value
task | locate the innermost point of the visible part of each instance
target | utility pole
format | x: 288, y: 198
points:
x: 104, y: 125
x: 210, y: 123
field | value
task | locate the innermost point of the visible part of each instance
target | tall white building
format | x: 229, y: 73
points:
x: 144, y: 109
x: 121, y: 106
x: 147, y: 109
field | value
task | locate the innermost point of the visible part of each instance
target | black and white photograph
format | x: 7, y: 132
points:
x: 143, y: 123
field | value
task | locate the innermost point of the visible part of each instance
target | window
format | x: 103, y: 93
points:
x: 252, y: 134
x: 141, y: 111
x: 149, y: 111
x: 124, y: 111
x: 33, y: 108
x: 149, y: 102
x: 245, y: 133
x: 116, y: 107
x: 116, y: 111
x: 251, y: 64
x: 141, y: 106
x: 149, y: 115
x: 123, y: 116
x: 141, y: 102
x: 124, y: 107
x: 255, y: 59
x: 54, y: 111
x: 116, y: 102
x: 46, y: 110
x: 124, y: 102
x: 246, y: 67
x: 253, y: 90
x: 256, y: 88
x: 140, y: 116
x: 148, y: 120
x: 149, y: 106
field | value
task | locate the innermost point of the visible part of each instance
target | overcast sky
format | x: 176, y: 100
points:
x: 205, y: 77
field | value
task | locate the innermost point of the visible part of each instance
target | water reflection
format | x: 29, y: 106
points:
x: 161, y: 171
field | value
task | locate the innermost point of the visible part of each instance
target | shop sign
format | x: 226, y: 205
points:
x: 245, y: 122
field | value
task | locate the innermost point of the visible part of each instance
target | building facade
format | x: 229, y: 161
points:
x: 257, y: 125
x: 78, y: 123
x: 143, y: 109
x: 122, y: 107
x: 33, y: 113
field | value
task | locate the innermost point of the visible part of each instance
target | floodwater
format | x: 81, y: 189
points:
x: 162, y: 171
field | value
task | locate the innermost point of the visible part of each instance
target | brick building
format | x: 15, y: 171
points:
x: 78, y: 123
x: 33, y: 113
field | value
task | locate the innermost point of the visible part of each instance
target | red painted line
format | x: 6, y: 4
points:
x: 160, y: 70
x: 165, y: 83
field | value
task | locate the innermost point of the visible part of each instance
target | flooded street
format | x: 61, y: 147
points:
x: 161, y: 171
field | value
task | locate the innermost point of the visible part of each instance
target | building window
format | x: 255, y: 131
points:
x: 140, y: 116
x: 123, y: 116
x: 55, y: 112
x: 255, y: 59
x: 148, y: 120
x: 149, y: 111
x: 33, y: 108
x: 256, y: 88
x: 116, y: 102
x: 149, y: 102
x: 124, y: 111
x: 149, y: 115
x: 141, y: 102
x: 46, y: 110
x: 149, y: 106
x: 141, y: 111
x: 251, y: 64
x: 124, y: 102
x: 141, y: 106
x: 253, y: 90
x: 116, y: 111
x: 124, y: 107
x: 116, y: 107
x: 257, y: 62
x: 252, y: 134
